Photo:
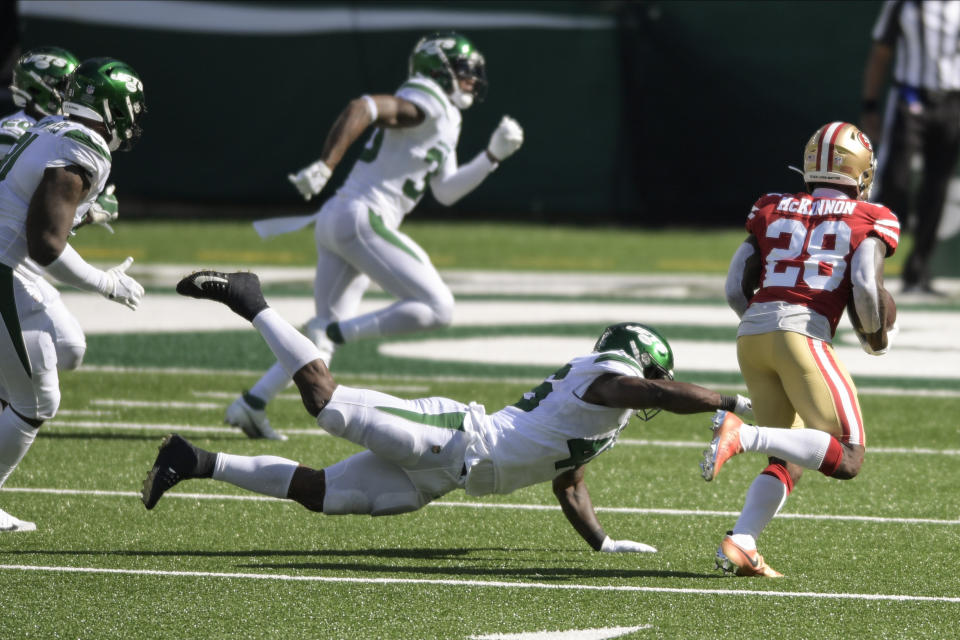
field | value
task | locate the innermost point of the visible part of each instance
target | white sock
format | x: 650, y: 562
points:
x: 292, y: 348
x: 403, y: 316
x: 765, y: 498
x: 805, y: 447
x: 275, y: 380
x: 269, y: 475
x: 16, y: 436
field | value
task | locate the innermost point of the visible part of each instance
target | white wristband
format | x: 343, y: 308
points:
x: 70, y: 268
x: 371, y: 107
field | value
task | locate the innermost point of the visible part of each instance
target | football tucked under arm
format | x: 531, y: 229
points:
x: 877, y: 342
x: 871, y: 308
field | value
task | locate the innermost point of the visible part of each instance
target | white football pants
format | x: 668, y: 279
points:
x: 355, y: 245
x: 415, y: 451
x: 38, y: 336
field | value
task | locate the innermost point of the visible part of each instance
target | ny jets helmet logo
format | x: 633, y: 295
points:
x: 649, y: 340
x: 436, y: 47
x: 45, y: 61
x: 133, y: 83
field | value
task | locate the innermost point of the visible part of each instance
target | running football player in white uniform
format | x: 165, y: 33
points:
x: 807, y: 256
x: 48, y: 181
x: 412, y: 147
x: 40, y: 78
x: 419, y: 450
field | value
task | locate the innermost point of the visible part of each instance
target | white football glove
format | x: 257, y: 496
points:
x: 120, y: 287
x: 744, y: 407
x: 506, y: 139
x: 310, y: 181
x: 105, y: 209
x: 625, y: 546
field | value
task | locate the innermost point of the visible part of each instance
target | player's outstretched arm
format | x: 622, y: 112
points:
x: 574, y: 499
x: 381, y: 110
x: 49, y: 220
x: 626, y: 392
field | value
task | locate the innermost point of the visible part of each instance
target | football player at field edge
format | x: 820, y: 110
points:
x: 807, y: 255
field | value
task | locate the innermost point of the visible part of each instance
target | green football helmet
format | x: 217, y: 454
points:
x: 644, y: 346
x: 446, y: 58
x: 40, y: 78
x: 108, y: 91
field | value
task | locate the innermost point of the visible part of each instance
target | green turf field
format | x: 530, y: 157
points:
x: 875, y: 557
x: 468, y: 245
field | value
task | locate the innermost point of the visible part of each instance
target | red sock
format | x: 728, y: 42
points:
x: 779, y: 471
x: 832, y: 458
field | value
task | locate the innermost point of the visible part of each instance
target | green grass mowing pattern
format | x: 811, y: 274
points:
x: 466, y: 544
x: 245, y: 350
x: 464, y: 245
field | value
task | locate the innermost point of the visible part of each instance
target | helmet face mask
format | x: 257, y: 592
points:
x: 841, y: 156
x: 110, y: 92
x: 41, y: 77
x: 645, y: 347
x: 447, y: 59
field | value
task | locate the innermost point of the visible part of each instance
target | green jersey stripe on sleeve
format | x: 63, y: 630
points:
x: 87, y: 141
x: 425, y: 89
x: 616, y: 357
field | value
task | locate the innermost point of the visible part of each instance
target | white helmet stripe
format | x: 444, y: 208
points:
x: 825, y: 154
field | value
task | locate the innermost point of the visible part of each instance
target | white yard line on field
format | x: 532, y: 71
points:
x: 497, y: 584
x: 482, y: 505
x: 155, y: 404
x: 137, y: 426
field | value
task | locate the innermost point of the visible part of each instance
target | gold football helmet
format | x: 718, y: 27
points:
x: 840, y: 154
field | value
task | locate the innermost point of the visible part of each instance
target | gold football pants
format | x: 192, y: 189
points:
x: 796, y: 381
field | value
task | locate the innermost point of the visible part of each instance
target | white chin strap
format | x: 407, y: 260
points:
x: 461, y: 100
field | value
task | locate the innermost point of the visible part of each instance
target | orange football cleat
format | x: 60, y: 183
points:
x: 732, y: 558
x: 725, y: 444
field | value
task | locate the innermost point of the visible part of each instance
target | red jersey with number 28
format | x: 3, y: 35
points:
x: 807, y: 243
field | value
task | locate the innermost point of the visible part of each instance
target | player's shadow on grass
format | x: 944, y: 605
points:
x: 529, y: 573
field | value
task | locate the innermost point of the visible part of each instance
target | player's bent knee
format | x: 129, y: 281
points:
x: 70, y: 357
x: 334, y: 419
x: 47, y: 405
x: 346, y: 502
x: 395, y: 504
x: 442, y: 308
x: 850, y: 464
x: 316, y: 385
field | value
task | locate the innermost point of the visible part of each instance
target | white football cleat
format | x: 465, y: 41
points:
x: 10, y: 524
x: 252, y: 421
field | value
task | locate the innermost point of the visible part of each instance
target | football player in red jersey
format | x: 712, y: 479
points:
x: 807, y: 256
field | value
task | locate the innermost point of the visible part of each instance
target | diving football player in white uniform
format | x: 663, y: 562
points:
x: 419, y: 450
x: 48, y: 181
x: 412, y: 147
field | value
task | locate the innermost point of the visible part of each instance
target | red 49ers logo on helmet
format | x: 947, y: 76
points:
x: 865, y: 141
